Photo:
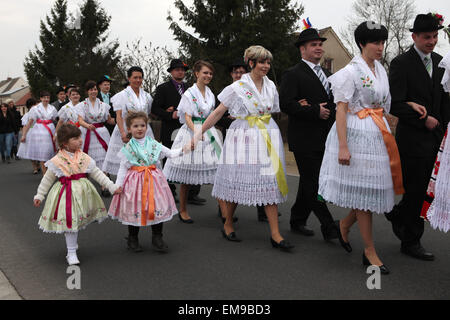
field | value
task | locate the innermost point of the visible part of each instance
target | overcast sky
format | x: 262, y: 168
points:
x: 146, y: 19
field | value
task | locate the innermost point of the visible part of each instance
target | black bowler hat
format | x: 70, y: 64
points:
x: 177, y: 63
x: 237, y: 64
x: 427, y: 23
x: 104, y: 78
x: 309, y: 35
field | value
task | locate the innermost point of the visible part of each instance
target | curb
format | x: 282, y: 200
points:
x: 7, y: 290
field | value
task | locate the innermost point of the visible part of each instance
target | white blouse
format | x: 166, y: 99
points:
x: 194, y: 104
x: 68, y: 113
x: 357, y: 85
x: 40, y: 112
x: 445, y: 63
x: 93, y: 114
x: 127, y: 100
x: 243, y: 99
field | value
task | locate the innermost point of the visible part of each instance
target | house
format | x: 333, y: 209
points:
x: 336, y: 54
x: 16, y: 89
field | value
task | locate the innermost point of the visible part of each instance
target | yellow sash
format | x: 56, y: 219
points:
x: 275, y: 159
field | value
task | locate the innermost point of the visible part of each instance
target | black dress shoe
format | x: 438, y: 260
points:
x: 302, y: 230
x: 196, y: 198
x: 330, y: 232
x: 419, y: 252
x: 188, y: 221
x: 230, y: 237
x: 158, y: 243
x: 283, y: 245
x: 383, y: 268
x: 133, y: 244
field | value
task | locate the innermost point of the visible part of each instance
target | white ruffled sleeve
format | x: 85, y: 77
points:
x: 62, y: 113
x: 79, y: 109
x: 119, y: 101
x: 168, y: 153
x: 149, y: 102
x: 276, y: 102
x: 185, y: 107
x: 229, y: 98
x: 342, y: 85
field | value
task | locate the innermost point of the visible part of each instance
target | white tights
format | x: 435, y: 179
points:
x: 71, y: 241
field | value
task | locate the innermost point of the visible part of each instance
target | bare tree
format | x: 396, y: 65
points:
x: 153, y: 60
x: 396, y: 15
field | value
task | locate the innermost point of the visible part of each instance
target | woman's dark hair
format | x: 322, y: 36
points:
x: 135, y: 115
x: 9, y: 113
x: 66, y: 132
x: 89, y: 85
x: 44, y: 94
x: 370, y: 31
x: 134, y: 69
x: 30, y: 102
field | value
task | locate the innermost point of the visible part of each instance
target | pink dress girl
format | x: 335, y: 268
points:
x: 146, y: 199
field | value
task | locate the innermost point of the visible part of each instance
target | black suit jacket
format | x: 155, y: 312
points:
x: 409, y: 81
x: 306, y: 131
x: 166, y: 96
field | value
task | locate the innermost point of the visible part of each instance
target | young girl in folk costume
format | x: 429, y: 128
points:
x: 72, y: 202
x: 132, y: 99
x: 199, y: 167
x: 68, y: 113
x: 146, y: 199
x: 251, y: 169
x: 92, y: 114
x: 37, y: 143
x: 436, y: 208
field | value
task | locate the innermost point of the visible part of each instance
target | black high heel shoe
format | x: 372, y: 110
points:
x: 283, y: 245
x: 188, y: 221
x: 346, y: 245
x: 383, y: 268
x: 230, y: 237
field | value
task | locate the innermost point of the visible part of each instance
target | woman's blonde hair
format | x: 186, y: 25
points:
x: 257, y: 53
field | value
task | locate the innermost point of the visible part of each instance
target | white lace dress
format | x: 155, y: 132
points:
x: 38, y: 143
x: 199, y: 166
x: 245, y: 174
x: 365, y: 184
x: 439, y: 211
x: 126, y: 101
x: 97, y: 114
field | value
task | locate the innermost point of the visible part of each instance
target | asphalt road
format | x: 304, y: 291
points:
x: 201, y: 264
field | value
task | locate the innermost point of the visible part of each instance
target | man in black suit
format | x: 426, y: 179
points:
x: 306, y: 98
x: 415, y: 79
x: 62, y: 98
x: 104, y: 94
x: 165, y: 104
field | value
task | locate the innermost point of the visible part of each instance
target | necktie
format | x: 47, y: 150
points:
x: 180, y: 89
x: 428, y: 64
x: 322, y: 79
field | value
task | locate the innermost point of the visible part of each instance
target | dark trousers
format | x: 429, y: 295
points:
x: 306, y: 201
x: 156, y: 230
x: 407, y: 224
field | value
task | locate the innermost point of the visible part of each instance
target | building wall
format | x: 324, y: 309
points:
x: 333, y: 49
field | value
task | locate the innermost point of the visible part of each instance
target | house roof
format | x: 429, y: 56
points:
x: 12, y: 82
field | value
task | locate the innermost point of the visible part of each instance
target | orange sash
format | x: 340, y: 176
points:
x: 148, y: 179
x: 391, y: 146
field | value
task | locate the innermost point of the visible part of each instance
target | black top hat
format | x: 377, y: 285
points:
x: 238, y: 63
x: 177, y: 63
x: 104, y: 78
x: 426, y: 23
x: 308, y: 35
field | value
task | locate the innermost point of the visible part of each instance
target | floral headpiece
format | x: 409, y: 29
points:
x: 438, y: 17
